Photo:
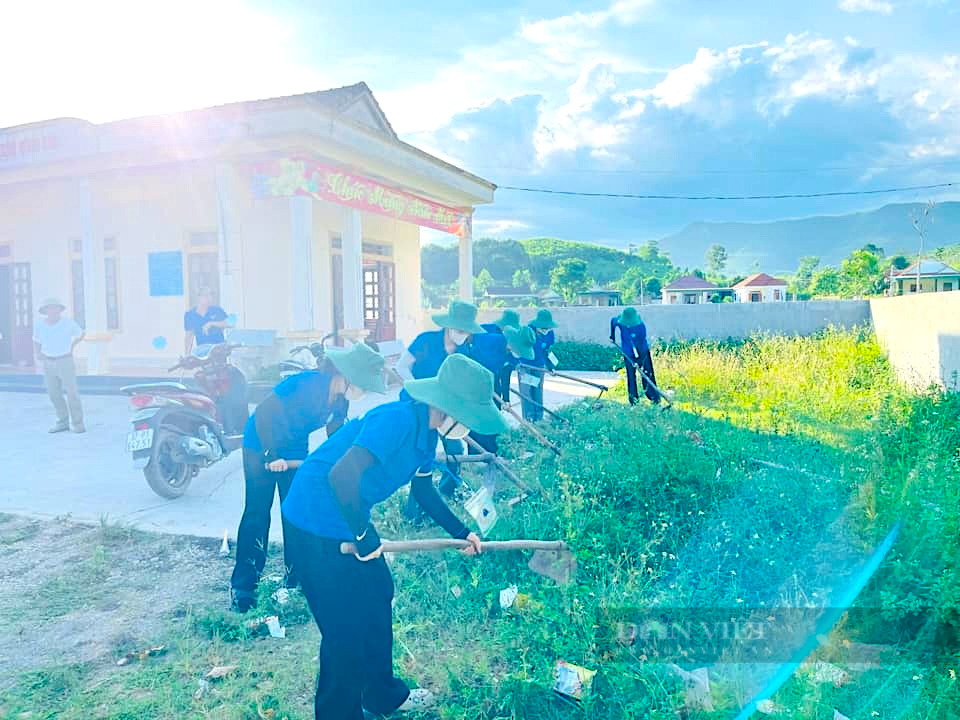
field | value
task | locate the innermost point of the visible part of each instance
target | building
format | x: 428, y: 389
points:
x: 689, y: 290
x: 935, y: 276
x: 510, y: 295
x: 550, y: 298
x: 599, y: 297
x: 761, y: 287
x: 302, y: 213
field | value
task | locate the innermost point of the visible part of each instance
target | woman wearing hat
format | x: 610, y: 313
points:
x: 531, y: 392
x: 509, y: 319
x: 54, y: 339
x: 429, y: 349
x: 636, y: 352
x: 329, y: 503
x: 279, y: 431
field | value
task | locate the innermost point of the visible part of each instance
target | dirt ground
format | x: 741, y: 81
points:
x: 72, y: 593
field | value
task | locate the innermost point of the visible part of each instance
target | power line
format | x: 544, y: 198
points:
x: 783, y: 196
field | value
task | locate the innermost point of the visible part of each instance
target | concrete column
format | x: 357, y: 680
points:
x: 97, y: 339
x: 466, y: 263
x: 352, y: 240
x: 301, y: 255
x: 229, y: 242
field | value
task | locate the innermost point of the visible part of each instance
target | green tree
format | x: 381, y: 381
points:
x: 440, y: 264
x: 653, y: 287
x: 521, y: 278
x: 482, y: 282
x: 861, y: 274
x: 826, y: 281
x: 502, y: 258
x: 716, y: 259
x: 569, y: 277
x: 800, y: 285
x: 899, y: 262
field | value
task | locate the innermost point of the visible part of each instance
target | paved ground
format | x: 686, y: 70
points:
x: 89, y: 477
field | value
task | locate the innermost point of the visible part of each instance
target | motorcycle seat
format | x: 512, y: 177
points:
x: 154, y: 387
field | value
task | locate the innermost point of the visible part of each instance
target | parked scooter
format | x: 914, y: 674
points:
x: 178, y: 430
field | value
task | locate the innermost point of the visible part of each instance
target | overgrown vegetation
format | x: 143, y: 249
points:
x: 782, y: 465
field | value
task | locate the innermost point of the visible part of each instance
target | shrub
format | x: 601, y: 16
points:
x: 587, y: 356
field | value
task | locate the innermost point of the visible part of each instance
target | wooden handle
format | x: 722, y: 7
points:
x: 541, y: 438
x: 498, y: 461
x: 395, y: 546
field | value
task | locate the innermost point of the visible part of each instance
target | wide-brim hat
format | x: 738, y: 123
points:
x: 544, y: 320
x: 49, y: 303
x: 361, y: 365
x: 521, y: 342
x: 510, y: 318
x: 463, y: 389
x: 629, y: 317
x: 459, y: 316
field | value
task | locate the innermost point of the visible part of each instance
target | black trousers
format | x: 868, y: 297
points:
x: 502, y: 384
x: 260, y: 486
x: 646, y: 363
x: 351, y: 602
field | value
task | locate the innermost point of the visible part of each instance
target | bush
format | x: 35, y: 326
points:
x: 587, y: 356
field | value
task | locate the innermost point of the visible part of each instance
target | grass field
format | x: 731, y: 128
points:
x: 783, y: 464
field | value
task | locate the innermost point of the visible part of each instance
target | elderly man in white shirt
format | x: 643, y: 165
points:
x: 54, y: 338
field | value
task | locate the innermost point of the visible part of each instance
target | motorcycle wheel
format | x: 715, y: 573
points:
x: 166, y: 477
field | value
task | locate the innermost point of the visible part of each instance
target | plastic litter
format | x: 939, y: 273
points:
x: 482, y: 509
x: 572, y: 680
x: 142, y: 655
x: 224, y: 546
x: 696, y: 684
x: 508, y: 596
x: 282, y: 596
x: 276, y: 629
x: 219, y: 672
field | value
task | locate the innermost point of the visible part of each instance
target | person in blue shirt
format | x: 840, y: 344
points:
x: 510, y: 318
x: 531, y: 382
x: 330, y: 504
x: 636, y: 353
x: 205, y: 323
x: 277, y: 433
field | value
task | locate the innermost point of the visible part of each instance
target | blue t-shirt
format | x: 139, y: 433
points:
x: 306, y: 407
x: 490, y: 350
x: 633, y: 340
x: 429, y: 350
x: 194, y: 322
x: 541, y: 348
x: 492, y: 328
x: 397, y: 434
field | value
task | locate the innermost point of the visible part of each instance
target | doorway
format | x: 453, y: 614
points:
x: 379, y: 316
x: 16, y: 315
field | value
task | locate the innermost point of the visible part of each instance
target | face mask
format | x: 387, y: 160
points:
x: 458, y: 337
x: 354, y: 393
x: 453, y: 430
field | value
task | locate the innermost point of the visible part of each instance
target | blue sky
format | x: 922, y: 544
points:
x: 635, y: 96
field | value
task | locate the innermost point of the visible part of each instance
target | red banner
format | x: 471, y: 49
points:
x: 295, y: 176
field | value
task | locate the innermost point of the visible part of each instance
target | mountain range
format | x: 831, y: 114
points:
x: 776, y: 247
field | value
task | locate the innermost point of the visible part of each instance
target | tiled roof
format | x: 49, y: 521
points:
x: 928, y: 268
x: 691, y: 282
x: 761, y: 280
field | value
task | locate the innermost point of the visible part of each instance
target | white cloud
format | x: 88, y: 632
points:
x: 567, y: 28
x: 878, y: 6
x: 496, y: 228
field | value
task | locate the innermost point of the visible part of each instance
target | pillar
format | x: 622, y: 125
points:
x: 352, y: 243
x: 96, y: 337
x: 466, y: 261
x: 301, y: 255
x: 229, y: 242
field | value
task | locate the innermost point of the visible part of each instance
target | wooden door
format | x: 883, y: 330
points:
x: 22, y: 335
x: 6, y: 316
x: 379, y: 301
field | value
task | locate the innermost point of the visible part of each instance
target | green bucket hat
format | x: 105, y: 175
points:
x: 49, y: 303
x: 460, y: 316
x: 361, y: 365
x: 510, y: 318
x: 629, y: 317
x: 463, y: 389
x: 544, y: 320
x: 521, y: 342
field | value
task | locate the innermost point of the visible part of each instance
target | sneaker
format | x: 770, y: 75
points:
x: 242, y: 601
x: 418, y: 699
x: 79, y: 429
x: 58, y: 428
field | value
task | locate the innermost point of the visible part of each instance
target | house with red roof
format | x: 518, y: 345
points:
x: 761, y: 287
x: 689, y: 290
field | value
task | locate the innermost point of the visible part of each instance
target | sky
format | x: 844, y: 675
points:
x: 669, y: 97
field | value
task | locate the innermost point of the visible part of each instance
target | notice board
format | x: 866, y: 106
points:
x: 166, y: 273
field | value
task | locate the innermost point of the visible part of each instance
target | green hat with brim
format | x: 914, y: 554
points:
x: 544, y: 320
x: 49, y: 303
x: 463, y: 389
x: 460, y: 316
x: 510, y: 318
x: 521, y: 342
x: 361, y: 365
x: 629, y: 317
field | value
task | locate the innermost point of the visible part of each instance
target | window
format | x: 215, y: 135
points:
x: 913, y: 287
x: 203, y: 265
x: 110, y: 283
x: 76, y: 277
x: 776, y: 294
x: 690, y: 299
x: 947, y: 286
x: 756, y: 297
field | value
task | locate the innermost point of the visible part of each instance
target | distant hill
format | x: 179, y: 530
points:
x: 776, y: 247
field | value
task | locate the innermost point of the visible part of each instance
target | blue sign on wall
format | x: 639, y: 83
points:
x: 166, y: 273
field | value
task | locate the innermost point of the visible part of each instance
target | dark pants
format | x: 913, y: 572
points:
x: 351, y: 602
x: 260, y: 486
x: 531, y: 396
x: 646, y: 363
x: 503, y: 382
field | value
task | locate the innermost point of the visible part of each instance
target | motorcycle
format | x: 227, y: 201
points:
x: 178, y: 430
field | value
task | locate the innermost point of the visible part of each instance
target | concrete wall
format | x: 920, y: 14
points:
x: 921, y: 336
x: 714, y: 321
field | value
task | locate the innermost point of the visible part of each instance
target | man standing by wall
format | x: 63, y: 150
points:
x: 205, y: 323
x: 54, y: 339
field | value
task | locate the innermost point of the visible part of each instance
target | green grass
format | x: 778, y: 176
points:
x: 783, y: 463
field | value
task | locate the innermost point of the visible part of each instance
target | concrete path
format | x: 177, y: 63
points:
x: 89, y: 477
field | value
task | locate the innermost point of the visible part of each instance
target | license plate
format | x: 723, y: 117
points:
x: 140, y: 440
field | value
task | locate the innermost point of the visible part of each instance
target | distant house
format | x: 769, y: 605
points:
x: 599, y: 297
x: 935, y: 276
x: 761, y: 287
x: 548, y: 298
x: 510, y: 294
x: 689, y: 290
